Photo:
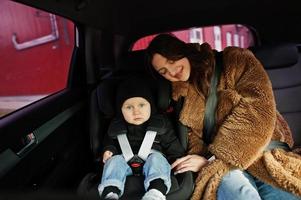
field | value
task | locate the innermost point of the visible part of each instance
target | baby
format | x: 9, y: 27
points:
x: 136, y: 114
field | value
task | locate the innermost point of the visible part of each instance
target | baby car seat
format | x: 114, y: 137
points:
x: 100, y: 115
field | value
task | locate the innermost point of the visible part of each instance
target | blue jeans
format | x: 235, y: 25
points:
x: 116, y: 170
x: 240, y: 185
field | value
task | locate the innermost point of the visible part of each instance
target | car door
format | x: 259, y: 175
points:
x: 43, y: 140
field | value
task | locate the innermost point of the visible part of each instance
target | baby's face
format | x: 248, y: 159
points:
x: 136, y: 110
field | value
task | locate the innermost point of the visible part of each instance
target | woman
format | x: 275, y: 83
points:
x: 251, y: 137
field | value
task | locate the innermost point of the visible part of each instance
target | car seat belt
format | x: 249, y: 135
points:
x: 147, y: 144
x: 125, y: 147
x: 211, y: 103
x: 145, y: 147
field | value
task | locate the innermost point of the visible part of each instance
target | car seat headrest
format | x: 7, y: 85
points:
x: 106, y: 94
x: 277, y: 56
x: 132, y: 61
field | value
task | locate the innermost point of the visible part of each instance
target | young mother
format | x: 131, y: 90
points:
x: 251, y: 140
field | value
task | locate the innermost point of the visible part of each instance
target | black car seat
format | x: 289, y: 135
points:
x: 283, y: 65
x: 101, y: 113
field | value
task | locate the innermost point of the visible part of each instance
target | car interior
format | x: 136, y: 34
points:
x: 62, y: 158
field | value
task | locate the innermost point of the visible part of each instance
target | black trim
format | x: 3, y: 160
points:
x: 27, y: 119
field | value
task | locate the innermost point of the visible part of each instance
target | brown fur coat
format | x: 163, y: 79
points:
x: 246, y: 121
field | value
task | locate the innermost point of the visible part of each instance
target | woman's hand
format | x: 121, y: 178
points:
x: 106, y: 156
x: 189, y: 163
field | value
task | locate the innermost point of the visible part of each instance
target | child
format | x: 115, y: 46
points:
x: 136, y: 111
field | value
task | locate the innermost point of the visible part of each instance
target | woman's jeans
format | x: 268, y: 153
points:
x: 116, y: 170
x: 240, y: 185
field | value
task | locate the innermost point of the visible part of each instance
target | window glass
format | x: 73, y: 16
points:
x: 35, y: 54
x: 218, y: 37
x: 228, y: 39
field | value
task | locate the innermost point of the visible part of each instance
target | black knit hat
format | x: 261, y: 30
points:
x: 134, y: 87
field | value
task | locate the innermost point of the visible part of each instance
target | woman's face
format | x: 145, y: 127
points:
x: 173, y: 71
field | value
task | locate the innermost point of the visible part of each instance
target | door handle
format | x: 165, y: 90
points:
x: 29, y: 142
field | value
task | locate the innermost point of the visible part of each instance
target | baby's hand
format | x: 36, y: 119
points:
x: 106, y: 156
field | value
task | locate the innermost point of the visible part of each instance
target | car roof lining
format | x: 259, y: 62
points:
x: 137, y: 18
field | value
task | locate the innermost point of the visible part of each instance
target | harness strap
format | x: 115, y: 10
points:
x: 145, y: 147
x: 147, y: 144
x: 125, y: 147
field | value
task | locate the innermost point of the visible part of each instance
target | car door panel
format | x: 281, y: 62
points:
x: 54, y: 128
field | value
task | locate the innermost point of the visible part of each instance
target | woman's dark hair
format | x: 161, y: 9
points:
x: 174, y: 49
x: 168, y: 46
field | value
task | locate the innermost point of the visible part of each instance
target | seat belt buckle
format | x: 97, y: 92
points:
x: 136, y: 165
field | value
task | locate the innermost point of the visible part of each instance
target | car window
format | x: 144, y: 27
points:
x: 218, y: 37
x: 35, y: 53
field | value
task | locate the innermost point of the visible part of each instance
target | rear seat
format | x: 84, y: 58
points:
x: 283, y: 65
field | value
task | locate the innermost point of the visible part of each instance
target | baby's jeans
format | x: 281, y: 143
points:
x: 116, y: 169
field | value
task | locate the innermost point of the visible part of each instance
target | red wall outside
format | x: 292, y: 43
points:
x: 41, y: 69
x: 208, y: 36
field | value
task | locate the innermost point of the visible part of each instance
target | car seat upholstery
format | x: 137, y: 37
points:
x: 283, y: 65
x: 102, y: 111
